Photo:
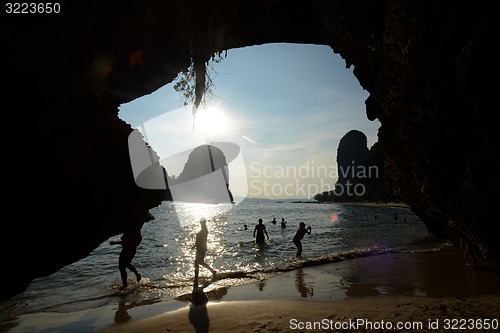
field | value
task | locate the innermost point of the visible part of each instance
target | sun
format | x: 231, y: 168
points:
x: 211, y: 121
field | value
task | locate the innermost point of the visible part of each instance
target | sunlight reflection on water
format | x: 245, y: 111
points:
x: 189, y: 213
x: 165, y: 258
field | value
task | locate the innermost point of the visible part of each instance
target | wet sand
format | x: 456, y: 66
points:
x: 401, y: 292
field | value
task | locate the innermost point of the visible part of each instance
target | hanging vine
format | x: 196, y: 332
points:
x: 195, y: 83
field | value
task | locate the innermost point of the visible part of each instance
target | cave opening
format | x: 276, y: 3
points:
x: 285, y: 105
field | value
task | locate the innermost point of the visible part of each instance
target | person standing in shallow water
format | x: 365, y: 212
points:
x: 259, y: 231
x: 470, y: 258
x: 201, y: 251
x: 299, y: 235
x: 130, y: 239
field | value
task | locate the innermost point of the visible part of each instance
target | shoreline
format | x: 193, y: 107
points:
x: 404, y: 288
x: 388, y: 204
x: 395, y: 287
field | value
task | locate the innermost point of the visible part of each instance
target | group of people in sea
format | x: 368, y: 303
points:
x: 132, y: 237
x: 283, y: 222
x: 260, y: 231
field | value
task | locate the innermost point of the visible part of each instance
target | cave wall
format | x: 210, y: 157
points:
x: 69, y: 186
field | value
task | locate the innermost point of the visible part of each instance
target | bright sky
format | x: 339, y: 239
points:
x: 286, y: 106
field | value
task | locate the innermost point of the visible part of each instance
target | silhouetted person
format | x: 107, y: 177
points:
x: 130, y: 239
x: 259, y: 231
x: 274, y: 221
x: 470, y: 258
x: 245, y: 227
x: 299, y: 235
x: 283, y: 222
x: 201, y: 251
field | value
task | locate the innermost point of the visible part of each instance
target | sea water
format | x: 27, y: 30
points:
x: 165, y: 258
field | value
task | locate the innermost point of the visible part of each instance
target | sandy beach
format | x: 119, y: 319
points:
x: 396, y: 292
x: 402, y: 292
x: 368, y: 314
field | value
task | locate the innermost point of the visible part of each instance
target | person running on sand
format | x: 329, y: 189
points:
x: 201, y: 250
x: 130, y: 239
x: 299, y: 235
x: 259, y: 231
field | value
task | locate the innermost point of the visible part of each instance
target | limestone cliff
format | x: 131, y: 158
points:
x: 204, y: 178
x: 351, y: 154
